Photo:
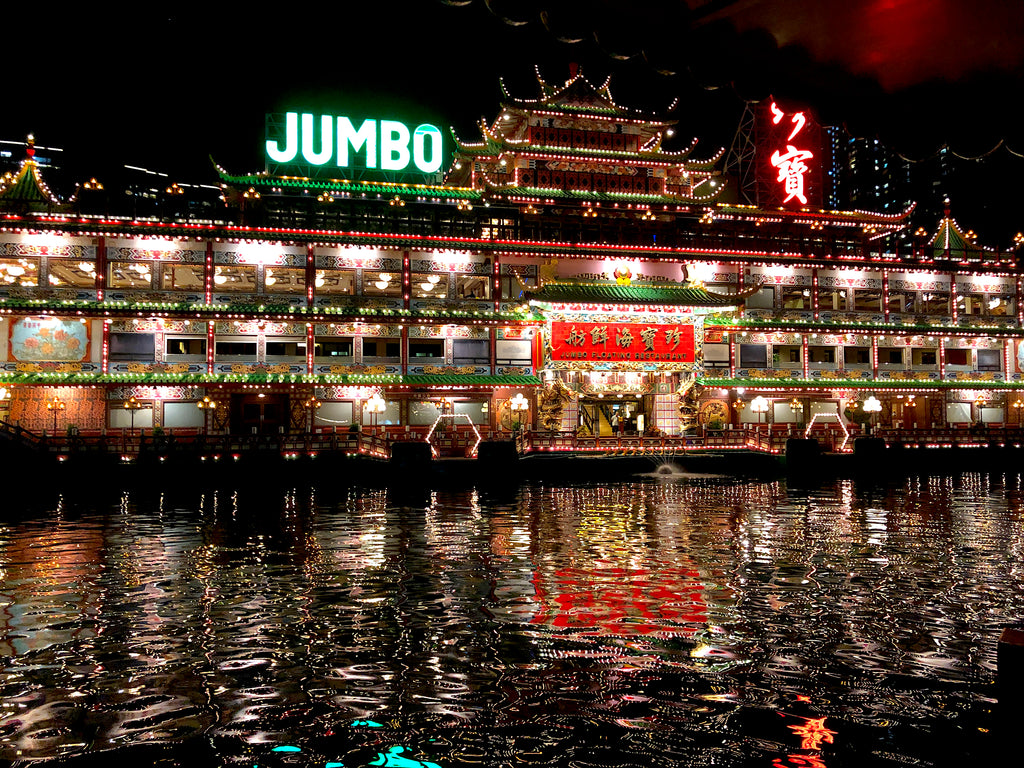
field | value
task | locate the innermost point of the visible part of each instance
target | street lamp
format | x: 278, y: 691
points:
x: 518, y: 405
x: 206, y: 405
x: 872, y: 405
x: 132, y: 405
x: 311, y: 405
x: 55, y: 406
x: 759, y: 405
x: 375, y: 405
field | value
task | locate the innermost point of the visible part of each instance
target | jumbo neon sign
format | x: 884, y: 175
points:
x: 389, y: 145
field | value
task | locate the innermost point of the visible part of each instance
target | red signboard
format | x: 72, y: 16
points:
x: 635, y: 342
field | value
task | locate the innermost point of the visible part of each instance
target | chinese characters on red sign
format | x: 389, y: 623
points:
x: 791, y: 163
x: 622, y: 341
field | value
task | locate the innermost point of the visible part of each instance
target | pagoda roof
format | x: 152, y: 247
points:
x: 26, y: 190
x: 578, y: 292
x: 494, y: 145
x: 950, y: 239
x: 577, y: 95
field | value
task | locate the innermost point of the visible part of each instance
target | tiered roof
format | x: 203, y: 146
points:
x: 575, y: 141
x: 26, y: 190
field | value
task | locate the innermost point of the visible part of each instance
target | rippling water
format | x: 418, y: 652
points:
x: 677, y: 621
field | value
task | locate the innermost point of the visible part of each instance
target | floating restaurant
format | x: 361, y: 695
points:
x: 564, y: 276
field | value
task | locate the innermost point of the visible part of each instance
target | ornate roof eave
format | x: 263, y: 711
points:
x: 262, y: 180
x: 949, y: 238
x: 486, y: 147
x: 574, y: 292
x: 868, y: 219
x: 28, y: 188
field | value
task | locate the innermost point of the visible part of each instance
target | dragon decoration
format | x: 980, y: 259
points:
x: 551, y: 403
x: 688, y: 396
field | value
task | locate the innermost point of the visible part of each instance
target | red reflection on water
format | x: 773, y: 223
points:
x: 621, y: 601
x: 813, y: 733
x: 799, y: 761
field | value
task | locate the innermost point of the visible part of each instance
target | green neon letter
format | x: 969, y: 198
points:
x: 291, y: 141
x: 366, y: 137
x: 326, y: 145
x: 418, y: 138
x: 394, y: 145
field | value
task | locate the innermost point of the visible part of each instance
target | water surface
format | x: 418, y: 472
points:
x: 682, y: 621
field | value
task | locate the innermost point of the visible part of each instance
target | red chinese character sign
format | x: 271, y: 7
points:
x: 627, y: 342
x: 790, y: 158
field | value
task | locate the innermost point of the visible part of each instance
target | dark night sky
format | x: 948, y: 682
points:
x: 183, y: 81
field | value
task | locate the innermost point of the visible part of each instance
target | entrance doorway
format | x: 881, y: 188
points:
x: 607, y: 416
x: 263, y: 414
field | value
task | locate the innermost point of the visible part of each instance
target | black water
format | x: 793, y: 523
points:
x: 680, y: 621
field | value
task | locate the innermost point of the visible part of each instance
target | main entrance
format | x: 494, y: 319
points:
x: 261, y: 414
x: 618, y: 414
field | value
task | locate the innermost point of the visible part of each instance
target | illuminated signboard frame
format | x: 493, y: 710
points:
x: 341, y: 147
x: 587, y: 344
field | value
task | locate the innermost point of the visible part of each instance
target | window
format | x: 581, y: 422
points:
x: 902, y: 301
x: 472, y: 286
x: 512, y: 287
x: 971, y: 303
x: 132, y: 346
x: 514, y: 352
x: 133, y: 275
x: 381, y: 348
x: 284, y: 280
x: 238, y: 348
x: 333, y: 348
x: 182, y: 277
x: 989, y: 360
x: 194, y: 346
x: 821, y: 355
x: 1000, y: 305
x: 382, y: 283
x: 924, y: 357
x: 856, y: 356
x: 753, y: 356
x: 286, y: 348
x: 426, y: 348
x: 958, y: 357
x: 471, y: 351
x: 429, y: 285
x: 763, y: 299
x: 79, y: 274
x: 890, y: 357
x: 796, y: 298
x: 832, y: 300
x: 19, y: 272
x: 240, y: 278
x: 935, y: 303
x: 335, y: 282
x: 867, y: 301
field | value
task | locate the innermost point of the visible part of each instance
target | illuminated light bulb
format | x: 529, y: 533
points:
x: 434, y: 279
x: 381, y: 285
x: 385, y: 277
x: 87, y: 266
x: 220, y: 279
x: 427, y: 286
x: 16, y: 270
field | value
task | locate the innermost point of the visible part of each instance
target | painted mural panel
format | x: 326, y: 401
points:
x: 49, y: 339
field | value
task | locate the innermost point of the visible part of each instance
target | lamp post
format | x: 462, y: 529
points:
x: 55, y: 406
x: 1017, y: 405
x: 759, y: 405
x: 311, y: 405
x: 518, y: 405
x: 872, y: 405
x: 132, y: 405
x: 206, y: 405
x: 375, y: 405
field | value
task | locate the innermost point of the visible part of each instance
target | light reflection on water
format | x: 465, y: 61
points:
x: 680, y: 621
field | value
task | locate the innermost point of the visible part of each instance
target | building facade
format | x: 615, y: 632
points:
x: 565, y: 256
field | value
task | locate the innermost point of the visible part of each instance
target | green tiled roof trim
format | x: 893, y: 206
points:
x: 354, y: 379
x: 122, y: 308
x: 602, y: 293
x: 355, y: 187
x: 857, y: 384
x: 818, y: 326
